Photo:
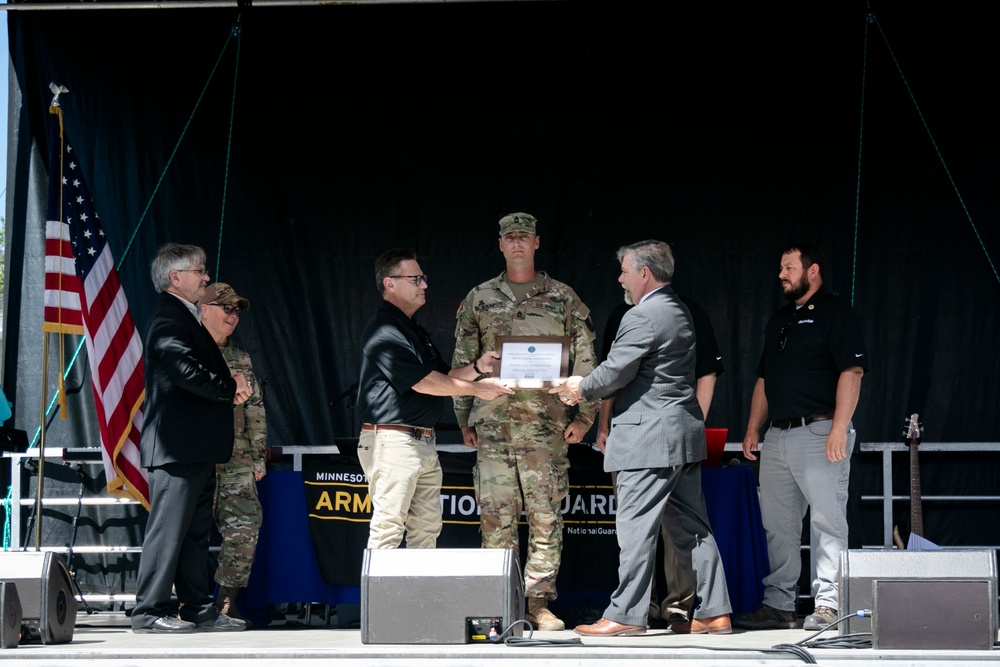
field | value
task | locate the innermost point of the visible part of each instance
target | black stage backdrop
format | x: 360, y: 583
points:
x: 727, y: 132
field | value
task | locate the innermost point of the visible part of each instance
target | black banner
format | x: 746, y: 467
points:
x: 340, y: 508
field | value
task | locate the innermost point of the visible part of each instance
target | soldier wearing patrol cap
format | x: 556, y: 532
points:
x: 237, y: 509
x: 522, y: 439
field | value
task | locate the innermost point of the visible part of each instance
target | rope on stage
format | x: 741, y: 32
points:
x: 236, y: 31
x: 872, y: 19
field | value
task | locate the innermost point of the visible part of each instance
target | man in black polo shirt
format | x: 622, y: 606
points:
x: 809, y: 379
x: 400, y: 398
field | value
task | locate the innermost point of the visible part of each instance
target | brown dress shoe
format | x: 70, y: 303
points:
x: 678, y: 624
x: 606, y: 628
x: 714, y: 625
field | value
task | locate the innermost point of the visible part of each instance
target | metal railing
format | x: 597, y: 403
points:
x: 888, y: 497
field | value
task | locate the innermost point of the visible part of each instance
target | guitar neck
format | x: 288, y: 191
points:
x: 916, y: 504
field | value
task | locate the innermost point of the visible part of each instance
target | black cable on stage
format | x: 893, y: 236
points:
x: 798, y: 649
x: 509, y: 640
x: 854, y: 640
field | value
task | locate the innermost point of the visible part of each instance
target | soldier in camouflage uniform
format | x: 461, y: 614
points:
x: 237, y: 508
x: 522, y: 439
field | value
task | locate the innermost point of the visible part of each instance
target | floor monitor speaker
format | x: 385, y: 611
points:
x: 951, y: 573
x: 10, y: 615
x: 46, y: 593
x: 439, y: 596
x: 922, y: 614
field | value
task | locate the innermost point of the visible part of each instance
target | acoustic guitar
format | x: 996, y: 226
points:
x: 912, y: 435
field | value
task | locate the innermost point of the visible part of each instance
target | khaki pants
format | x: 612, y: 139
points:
x: 404, y: 480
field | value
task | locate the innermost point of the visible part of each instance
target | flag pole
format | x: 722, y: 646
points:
x: 84, y: 296
x: 41, y: 445
x: 58, y: 329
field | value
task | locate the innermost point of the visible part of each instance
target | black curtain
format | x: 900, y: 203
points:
x: 355, y: 129
x: 728, y: 133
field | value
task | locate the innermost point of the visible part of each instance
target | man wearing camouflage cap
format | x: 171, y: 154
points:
x: 522, y: 440
x: 237, y: 509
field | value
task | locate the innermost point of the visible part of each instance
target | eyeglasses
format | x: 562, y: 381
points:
x: 416, y: 280
x: 432, y: 352
x: 200, y: 272
x: 783, y: 336
x: 228, y: 310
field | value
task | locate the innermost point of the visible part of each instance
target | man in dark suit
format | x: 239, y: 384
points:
x: 187, y: 429
x: 656, y: 445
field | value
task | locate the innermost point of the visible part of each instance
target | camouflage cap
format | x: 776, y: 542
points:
x: 517, y: 222
x: 224, y: 295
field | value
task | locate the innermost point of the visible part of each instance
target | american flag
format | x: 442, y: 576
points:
x: 80, y: 271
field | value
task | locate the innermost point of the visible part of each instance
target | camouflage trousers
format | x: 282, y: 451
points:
x: 238, y: 517
x: 524, y: 465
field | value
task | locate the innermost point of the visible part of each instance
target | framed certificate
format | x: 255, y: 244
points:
x: 532, y: 362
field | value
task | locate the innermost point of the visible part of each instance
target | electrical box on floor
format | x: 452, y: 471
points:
x: 484, y: 630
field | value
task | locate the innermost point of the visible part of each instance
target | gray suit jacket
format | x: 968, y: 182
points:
x: 656, y: 422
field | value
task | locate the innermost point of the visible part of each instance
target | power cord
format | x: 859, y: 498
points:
x: 798, y: 649
x: 853, y: 640
x: 510, y: 640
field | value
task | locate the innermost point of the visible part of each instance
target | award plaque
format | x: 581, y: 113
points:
x: 532, y: 362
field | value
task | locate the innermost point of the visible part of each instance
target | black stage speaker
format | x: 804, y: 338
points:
x: 962, y: 583
x: 46, y: 593
x: 439, y: 596
x: 10, y: 615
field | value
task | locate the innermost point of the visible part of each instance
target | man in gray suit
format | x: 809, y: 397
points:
x: 656, y: 445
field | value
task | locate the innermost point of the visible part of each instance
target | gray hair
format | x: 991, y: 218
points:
x: 171, y: 257
x: 655, y: 255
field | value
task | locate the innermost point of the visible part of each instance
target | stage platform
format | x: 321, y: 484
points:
x: 105, y: 639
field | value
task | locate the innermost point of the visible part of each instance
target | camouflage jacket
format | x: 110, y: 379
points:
x: 551, y: 308
x: 250, y: 445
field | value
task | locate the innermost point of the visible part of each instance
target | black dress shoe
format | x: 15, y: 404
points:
x: 222, y: 623
x: 166, y: 625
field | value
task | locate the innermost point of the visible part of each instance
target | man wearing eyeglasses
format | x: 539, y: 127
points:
x: 808, y: 383
x: 401, y: 396
x: 522, y: 440
x: 238, y: 513
x: 187, y: 429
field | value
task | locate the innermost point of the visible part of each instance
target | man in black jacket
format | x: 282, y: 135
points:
x: 187, y: 429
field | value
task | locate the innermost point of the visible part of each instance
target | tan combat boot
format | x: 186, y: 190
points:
x: 226, y: 603
x: 538, y: 614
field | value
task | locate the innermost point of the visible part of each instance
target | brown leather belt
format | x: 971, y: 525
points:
x: 414, y: 431
x: 783, y: 424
